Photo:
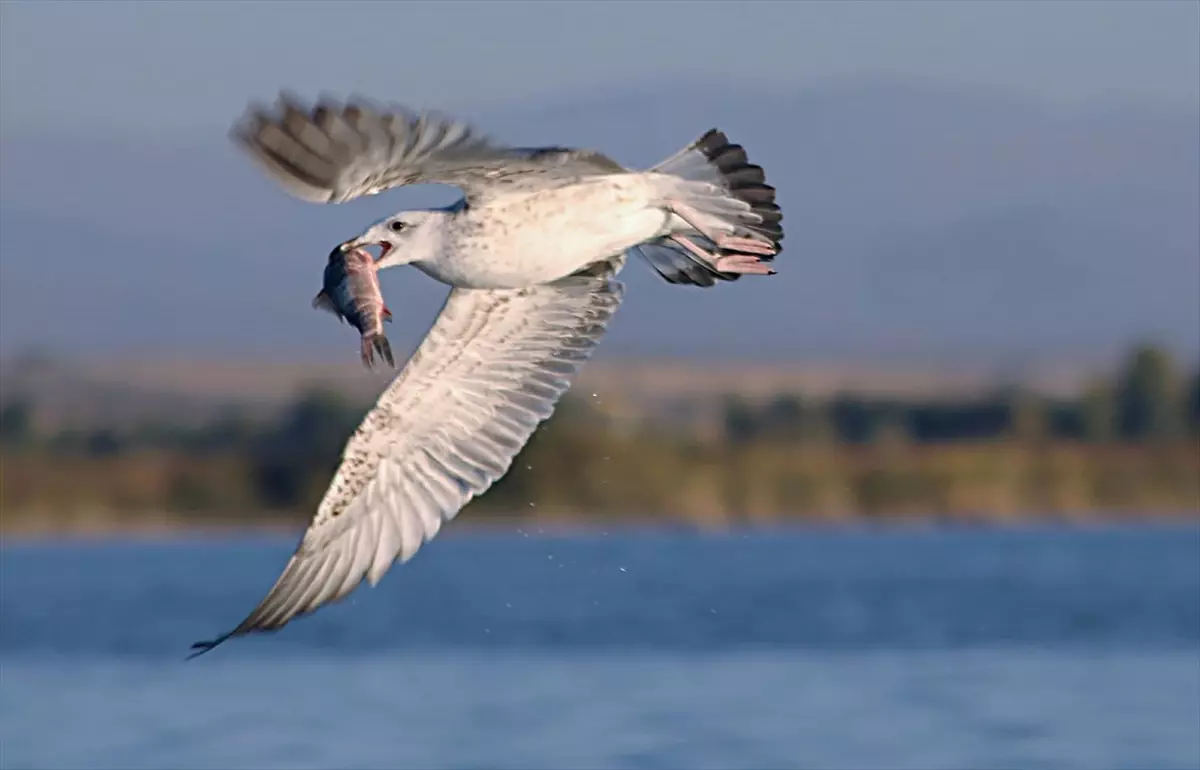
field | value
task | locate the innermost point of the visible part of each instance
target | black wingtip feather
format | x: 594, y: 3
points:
x: 199, y: 648
x: 745, y: 180
x: 712, y: 140
x: 746, y: 175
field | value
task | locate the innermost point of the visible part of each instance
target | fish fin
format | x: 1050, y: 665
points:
x: 324, y: 302
x: 385, y: 349
x: 367, y: 352
x: 376, y: 343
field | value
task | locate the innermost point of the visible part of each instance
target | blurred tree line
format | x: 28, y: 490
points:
x: 1127, y: 441
x: 1149, y: 400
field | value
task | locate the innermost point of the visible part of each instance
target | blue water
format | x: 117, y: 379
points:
x: 890, y: 649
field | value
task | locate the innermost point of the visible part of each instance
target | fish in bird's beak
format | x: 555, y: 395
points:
x: 363, y: 243
x: 351, y: 292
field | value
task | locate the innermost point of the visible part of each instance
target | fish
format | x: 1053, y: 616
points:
x: 351, y: 292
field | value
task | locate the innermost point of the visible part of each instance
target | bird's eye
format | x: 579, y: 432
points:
x: 396, y: 226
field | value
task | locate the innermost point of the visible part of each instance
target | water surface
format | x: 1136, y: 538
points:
x: 933, y: 648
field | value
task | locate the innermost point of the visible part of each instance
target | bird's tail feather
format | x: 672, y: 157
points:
x: 715, y: 178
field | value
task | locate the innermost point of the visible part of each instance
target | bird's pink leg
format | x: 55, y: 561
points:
x: 760, y: 246
x: 742, y: 264
x: 686, y: 243
x: 747, y: 245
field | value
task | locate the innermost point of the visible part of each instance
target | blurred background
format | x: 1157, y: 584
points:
x: 929, y: 497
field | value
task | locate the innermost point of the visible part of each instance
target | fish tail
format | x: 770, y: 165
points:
x: 368, y: 352
x: 385, y: 348
x: 376, y: 342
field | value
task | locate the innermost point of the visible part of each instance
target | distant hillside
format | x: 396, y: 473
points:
x: 932, y: 224
x: 180, y: 390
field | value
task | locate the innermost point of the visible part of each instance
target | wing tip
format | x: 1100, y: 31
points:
x: 199, y: 648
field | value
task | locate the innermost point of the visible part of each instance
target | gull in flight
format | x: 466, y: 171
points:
x: 531, y: 252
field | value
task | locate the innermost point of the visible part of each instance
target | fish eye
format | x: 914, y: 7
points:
x: 396, y: 226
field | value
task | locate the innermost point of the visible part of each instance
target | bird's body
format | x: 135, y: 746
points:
x: 532, y: 252
x: 518, y: 237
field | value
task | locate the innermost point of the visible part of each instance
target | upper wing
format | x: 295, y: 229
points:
x: 335, y: 152
x: 492, y: 367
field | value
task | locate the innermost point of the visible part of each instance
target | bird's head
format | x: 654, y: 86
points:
x: 401, y: 238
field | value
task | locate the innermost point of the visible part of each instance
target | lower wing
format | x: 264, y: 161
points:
x: 492, y: 367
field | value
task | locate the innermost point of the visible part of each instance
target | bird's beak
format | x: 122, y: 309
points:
x: 362, y: 243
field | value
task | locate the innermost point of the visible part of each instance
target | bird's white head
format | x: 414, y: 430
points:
x: 404, y: 238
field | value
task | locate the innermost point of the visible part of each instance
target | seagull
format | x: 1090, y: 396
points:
x: 531, y: 252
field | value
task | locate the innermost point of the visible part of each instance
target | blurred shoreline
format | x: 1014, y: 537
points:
x: 178, y: 527
x: 889, y: 487
x: 169, y: 448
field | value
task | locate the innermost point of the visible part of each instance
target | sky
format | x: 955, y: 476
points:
x: 142, y: 67
x: 939, y: 163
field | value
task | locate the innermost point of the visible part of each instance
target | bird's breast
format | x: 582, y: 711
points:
x: 535, y: 237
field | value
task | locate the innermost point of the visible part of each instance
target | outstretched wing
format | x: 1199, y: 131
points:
x: 492, y: 367
x: 335, y: 152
